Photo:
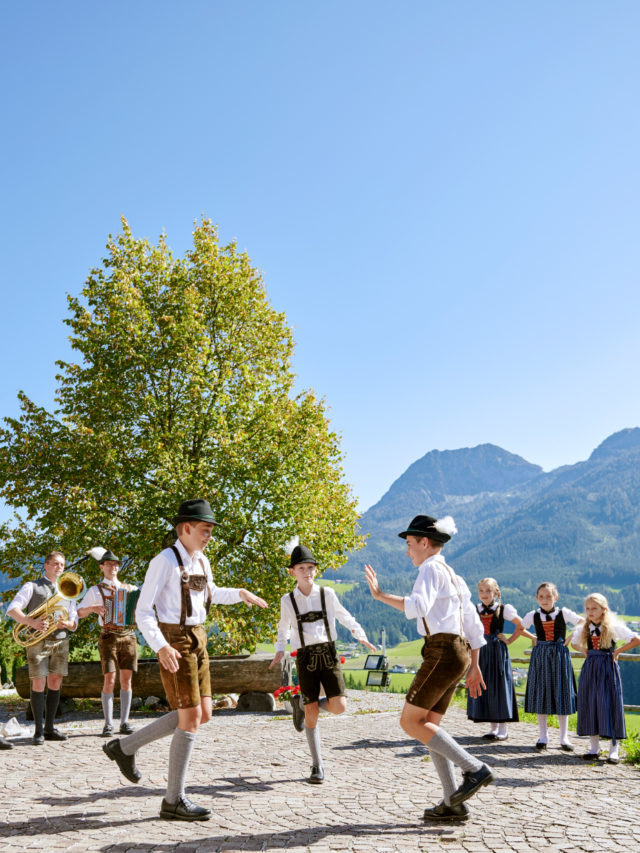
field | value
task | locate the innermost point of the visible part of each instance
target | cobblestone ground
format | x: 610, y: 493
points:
x: 250, y: 768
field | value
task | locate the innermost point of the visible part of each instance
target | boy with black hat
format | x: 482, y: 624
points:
x: 446, y: 617
x: 117, y: 645
x: 180, y: 586
x: 48, y: 659
x: 309, y: 614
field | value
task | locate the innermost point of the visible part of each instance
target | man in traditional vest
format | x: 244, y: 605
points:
x: 49, y: 658
x: 117, y: 645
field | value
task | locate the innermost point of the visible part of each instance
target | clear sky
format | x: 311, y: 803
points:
x: 443, y: 198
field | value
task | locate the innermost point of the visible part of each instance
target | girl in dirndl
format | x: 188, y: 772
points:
x: 551, y: 685
x: 600, y: 703
x: 497, y: 705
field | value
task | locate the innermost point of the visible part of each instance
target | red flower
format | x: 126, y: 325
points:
x: 342, y: 660
x: 294, y: 654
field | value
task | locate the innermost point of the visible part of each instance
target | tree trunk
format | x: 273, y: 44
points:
x: 229, y: 674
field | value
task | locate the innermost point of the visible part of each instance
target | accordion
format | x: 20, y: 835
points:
x: 120, y: 607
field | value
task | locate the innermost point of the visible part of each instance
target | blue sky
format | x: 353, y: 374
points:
x: 443, y: 199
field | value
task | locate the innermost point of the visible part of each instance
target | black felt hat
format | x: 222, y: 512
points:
x: 299, y: 553
x: 197, y: 510
x: 438, y: 530
x: 110, y: 557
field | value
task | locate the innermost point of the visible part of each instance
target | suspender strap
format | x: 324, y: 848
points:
x: 324, y: 614
x: 298, y: 619
x: 427, y: 632
x: 186, y: 607
x: 312, y: 616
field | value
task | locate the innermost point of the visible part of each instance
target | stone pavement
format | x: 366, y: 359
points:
x: 249, y: 768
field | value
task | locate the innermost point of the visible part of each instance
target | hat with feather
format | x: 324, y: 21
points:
x: 298, y: 553
x: 436, y: 529
x: 109, y: 556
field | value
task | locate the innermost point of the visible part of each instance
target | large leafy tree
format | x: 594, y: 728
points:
x: 182, y: 388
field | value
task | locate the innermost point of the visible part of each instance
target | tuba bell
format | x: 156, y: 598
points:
x: 70, y: 587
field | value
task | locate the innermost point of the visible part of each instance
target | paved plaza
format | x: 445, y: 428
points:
x: 250, y: 769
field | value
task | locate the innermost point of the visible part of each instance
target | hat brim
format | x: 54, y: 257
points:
x: 208, y: 518
x: 437, y: 537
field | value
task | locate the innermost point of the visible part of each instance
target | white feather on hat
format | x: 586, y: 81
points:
x: 97, y: 553
x: 291, y: 544
x: 446, y: 525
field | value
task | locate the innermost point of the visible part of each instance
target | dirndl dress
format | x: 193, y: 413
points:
x: 600, y: 703
x: 498, y: 703
x: 551, y: 685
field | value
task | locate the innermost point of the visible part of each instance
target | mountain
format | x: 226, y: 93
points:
x: 578, y: 524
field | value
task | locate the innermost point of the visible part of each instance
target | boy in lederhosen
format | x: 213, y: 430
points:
x: 309, y: 614
x: 180, y: 586
x: 446, y: 617
x: 48, y: 659
x: 117, y: 645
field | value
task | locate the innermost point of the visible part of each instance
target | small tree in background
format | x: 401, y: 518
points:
x: 183, y: 388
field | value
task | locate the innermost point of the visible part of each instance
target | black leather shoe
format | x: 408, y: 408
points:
x: 184, y: 809
x: 472, y: 782
x: 488, y: 736
x: 590, y: 756
x: 317, y: 775
x: 126, y: 763
x: 126, y: 729
x: 298, y: 712
x: 611, y: 760
x: 442, y: 813
x: 541, y: 745
x: 107, y: 730
x: 567, y: 747
x: 38, y: 740
x: 5, y: 744
x: 54, y: 734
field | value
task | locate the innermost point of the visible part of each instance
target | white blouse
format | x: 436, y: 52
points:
x: 620, y: 632
x: 569, y: 616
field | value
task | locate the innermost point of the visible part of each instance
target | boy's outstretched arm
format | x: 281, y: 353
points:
x: 396, y: 601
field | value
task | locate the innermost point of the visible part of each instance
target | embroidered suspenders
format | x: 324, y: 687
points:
x: 188, y: 582
x: 319, y: 654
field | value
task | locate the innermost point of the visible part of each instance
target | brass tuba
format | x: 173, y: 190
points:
x: 70, y: 587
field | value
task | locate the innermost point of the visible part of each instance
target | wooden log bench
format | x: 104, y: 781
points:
x: 247, y: 675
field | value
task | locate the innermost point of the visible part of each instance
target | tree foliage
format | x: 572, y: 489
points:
x: 183, y: 388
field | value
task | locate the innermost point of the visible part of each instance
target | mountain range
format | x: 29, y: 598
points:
x: 578, y: 525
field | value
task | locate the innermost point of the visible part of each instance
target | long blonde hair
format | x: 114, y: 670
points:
x: 492, y: 583
x: 607, y: 632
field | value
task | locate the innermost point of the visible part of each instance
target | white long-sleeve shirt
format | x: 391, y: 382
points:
x: 438, y: 595
x: 162, y: 589
x: 314, y: 632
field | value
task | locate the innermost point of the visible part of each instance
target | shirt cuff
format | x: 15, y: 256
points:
x: 410, y: 609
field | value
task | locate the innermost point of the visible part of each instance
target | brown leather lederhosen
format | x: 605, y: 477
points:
x: 192, y: 682
x: 317, y: 663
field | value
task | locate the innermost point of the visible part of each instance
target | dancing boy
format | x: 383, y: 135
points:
x: 180, y: 586
x: 309, y: 614
x: 441, y: 603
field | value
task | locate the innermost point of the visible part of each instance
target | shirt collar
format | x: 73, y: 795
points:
x: 187, y: 561
x: 300, y: 593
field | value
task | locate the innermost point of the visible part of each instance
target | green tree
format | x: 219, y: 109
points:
x: 183, y: 388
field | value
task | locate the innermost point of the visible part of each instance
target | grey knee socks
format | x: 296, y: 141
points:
x: 179, y: 755
x: 444, y: 744
x: 161, y: 727
x: 446, y: 773
x: 313, y: 739
x: 125, y: 704
x: 107, y: 708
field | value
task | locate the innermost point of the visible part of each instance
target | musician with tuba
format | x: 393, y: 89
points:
x: 46, y: 608
x: 114, y: 603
